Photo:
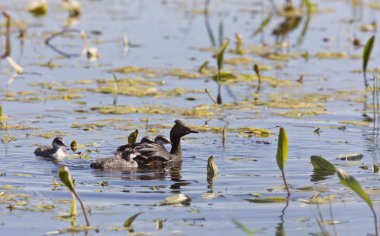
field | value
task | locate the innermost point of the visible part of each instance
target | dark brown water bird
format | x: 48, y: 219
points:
x: 151, y: 154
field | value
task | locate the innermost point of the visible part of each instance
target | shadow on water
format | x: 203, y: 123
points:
x: 169, y: 172
x: 371, y: 137
x: 321, y: 175
x: 280, y: 229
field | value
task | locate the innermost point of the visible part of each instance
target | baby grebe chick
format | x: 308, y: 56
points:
x: 161, y: 139
x: 120, y: 161
x: 56, y: 152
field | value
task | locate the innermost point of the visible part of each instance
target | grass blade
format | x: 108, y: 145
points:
x: 366, y: 55
x: 351, y: 183
x: 220, y: 55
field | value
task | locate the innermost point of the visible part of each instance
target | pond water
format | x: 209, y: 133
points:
x: 168, y: 42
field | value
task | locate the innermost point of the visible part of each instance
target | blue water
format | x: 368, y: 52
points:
x: 166, y: 35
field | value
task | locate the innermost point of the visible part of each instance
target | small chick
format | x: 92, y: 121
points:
x: 56, y: 152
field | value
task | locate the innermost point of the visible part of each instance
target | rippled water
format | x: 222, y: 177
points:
x: 165, y: 35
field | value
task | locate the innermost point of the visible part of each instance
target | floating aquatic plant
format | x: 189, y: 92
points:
x: 179, y: 199
x: 350, y: 157
x: 73, y: 7
x: 321, y: 164
x: 38, y: 7
x: 66, y: 178
x: 317, y: 199
x: 365, y: 57
x: 128, y: 223
x: 239, y: 44
x: 133, y: 137
x: 350, y: 182
x: 282, y: 154
x: 331, y: 55
x: 274, y: 199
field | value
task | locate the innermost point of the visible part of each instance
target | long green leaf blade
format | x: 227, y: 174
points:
x: 321, y: 164
x: 351, y: 183
x: 367, y: 52
x: 220, y: 54
x: 282, y: 149
x: 262, y: 25
x: 128, y: 223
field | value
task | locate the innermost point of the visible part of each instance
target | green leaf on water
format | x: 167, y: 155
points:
x: 220, y: 54
x: 133, y: 137
x: 351, y: 183
x: 367, y: 52
x: 38, y: 8
x: 321, y: 164
x: 128, y: 223
x: 366, y: 55
x: 66, y: 178
x: 282, y: 149
x: 268, y: 200
x: 176, y: 199
x: 350, y: 157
